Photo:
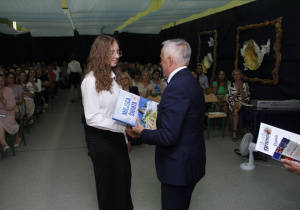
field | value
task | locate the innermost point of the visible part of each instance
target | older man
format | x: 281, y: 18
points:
x: 180, y: 149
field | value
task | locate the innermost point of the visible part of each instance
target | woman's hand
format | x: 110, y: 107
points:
x: 24, y: 87
x: 149, y: 92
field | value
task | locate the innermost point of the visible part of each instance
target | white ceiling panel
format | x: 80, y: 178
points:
x: 91, y: 17
x: 37, y: 15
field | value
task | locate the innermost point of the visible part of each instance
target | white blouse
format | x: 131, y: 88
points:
x: 99, y: 106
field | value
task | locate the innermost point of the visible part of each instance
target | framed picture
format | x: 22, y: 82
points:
x: 267, y: 71
x: 208, y: 42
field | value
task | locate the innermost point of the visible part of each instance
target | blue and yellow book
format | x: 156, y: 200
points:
x: 129, y: 107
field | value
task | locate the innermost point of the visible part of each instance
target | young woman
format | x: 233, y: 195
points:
x: 220, y: 88
x: 146, y: 88
x: 105, y: 136
x: 238, y: 93
x: 136, y: 78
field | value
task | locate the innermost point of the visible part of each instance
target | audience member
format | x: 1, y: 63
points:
x: 43, y: 76
x: 141, y: 68
x: 195, y: 74
x: 158, y: 83
x: 30, y: 86
x: 127, y: 69
x: 220, y: 89
x: 56, y: 71
x: 202, y: 78
x: 136, y: 78
x: 146, y: 88
x: 8, y: 123
x: 17, y: 90
x: 238, y: 93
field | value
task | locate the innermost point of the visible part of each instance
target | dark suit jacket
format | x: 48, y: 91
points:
x: 180, y: 149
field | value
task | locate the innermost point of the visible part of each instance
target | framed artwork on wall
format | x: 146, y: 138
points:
x: 258, y: 51
x: 207, y: 52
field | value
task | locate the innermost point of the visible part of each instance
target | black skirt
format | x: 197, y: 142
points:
x: 74, y: 78
x: 112, y: 168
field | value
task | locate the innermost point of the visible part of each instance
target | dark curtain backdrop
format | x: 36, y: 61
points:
x: 146, y: 47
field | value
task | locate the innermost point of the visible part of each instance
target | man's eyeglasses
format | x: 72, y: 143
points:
x: 116, y: 51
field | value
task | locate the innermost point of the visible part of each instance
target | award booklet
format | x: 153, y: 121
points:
x: 130, y: 106
x: 278, y: 143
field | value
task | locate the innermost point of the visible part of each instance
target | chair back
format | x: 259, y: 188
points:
x: 209, y: 98
x: 154, y: 98
x: 16, y: 109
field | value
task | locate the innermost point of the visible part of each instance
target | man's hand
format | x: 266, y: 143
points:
x: 291, y: 166
x: 138, y: 128
x: 130, y: 133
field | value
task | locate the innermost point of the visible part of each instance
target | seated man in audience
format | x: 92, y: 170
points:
x: 127, y: 69
x: 202, y: 78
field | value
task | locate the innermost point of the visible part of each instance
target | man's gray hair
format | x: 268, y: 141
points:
x: 179, y: 49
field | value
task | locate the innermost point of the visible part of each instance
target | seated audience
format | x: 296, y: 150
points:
x: 45, y: 86
x: 220, y: 88
x: 145, y: 86
x: 158, y: 83
x: 238, y: 93
x: 8, y: 123
x: 56, y: 71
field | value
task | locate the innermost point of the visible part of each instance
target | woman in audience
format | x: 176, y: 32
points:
x: 136, y: 77
x: 42, y: 97
x: 126, y: 83
x: 145, y: 86
x: 220, y: 88
x: 105, y: 136
x: 17, y: 90
x: 8, y: 123
x: 141, y: 68
x: 158, y: 83
x: 30, y: 86
x: 238, y: 93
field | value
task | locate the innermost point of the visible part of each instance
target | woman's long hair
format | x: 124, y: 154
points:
x: 99, y: 63
x: 218, y: 81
